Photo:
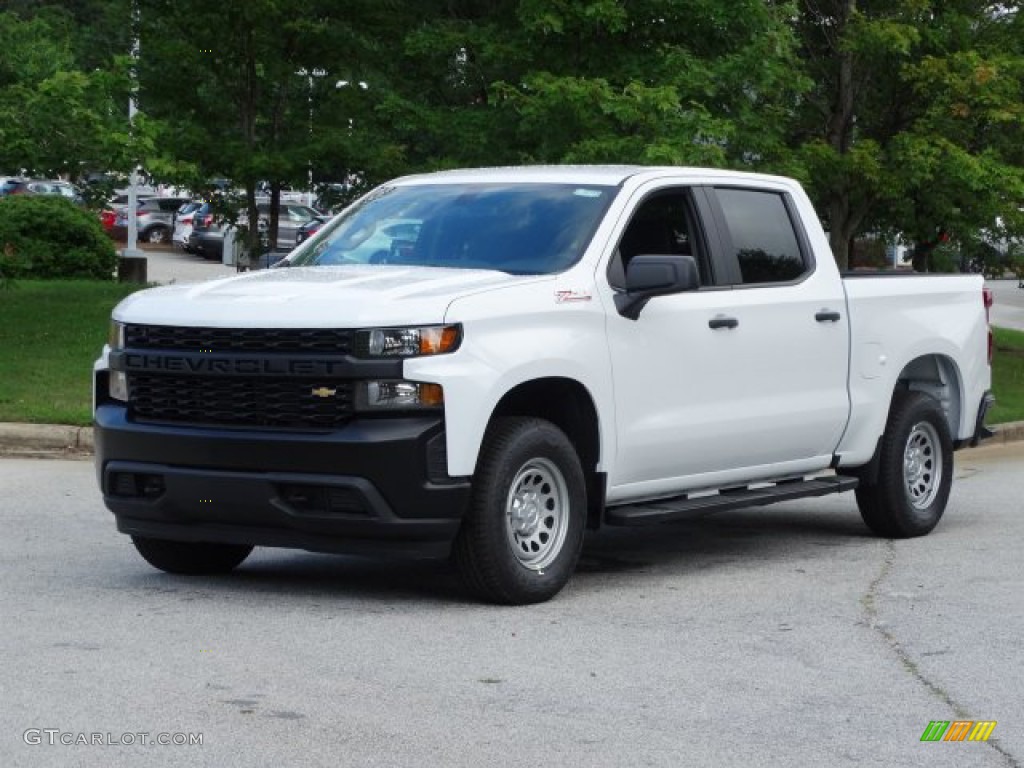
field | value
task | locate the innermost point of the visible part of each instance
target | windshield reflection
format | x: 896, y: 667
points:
x: 514, y: 228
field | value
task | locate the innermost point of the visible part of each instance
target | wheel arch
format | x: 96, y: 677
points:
x: 934, y: 374
x: 937, y: 376
x: 567, y: 404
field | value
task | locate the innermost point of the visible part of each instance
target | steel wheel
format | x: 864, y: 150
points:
x: 536, y: 513
x: 523, y: 530
x: 904, y: 491
x: 922, y: 465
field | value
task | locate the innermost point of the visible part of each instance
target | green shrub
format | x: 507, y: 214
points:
x: 48, y: 237
x: 946, y: 258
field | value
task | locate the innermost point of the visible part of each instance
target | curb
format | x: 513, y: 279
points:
x: 1009, y: 432
x: 45, y: 440
x: 59, y: 441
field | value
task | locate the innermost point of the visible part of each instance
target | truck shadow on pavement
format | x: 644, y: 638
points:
x: 751, y: 539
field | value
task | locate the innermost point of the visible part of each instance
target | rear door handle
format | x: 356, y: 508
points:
x: 721, y: 321
x: 827, y: 316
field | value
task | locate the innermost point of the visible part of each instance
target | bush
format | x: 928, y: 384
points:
x: 946, y: 258
x: 48, y: 237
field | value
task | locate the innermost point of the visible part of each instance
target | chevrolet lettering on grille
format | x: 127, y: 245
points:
x: 206, y: 364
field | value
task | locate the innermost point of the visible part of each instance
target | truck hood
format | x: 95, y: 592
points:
x: 314, y: 297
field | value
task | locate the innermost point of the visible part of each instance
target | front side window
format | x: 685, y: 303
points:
x: 664, y: 225
x: 763, y: 239
x: 516, y: 228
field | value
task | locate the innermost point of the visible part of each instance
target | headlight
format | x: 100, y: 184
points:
x: 407, y: 342
x: 116, y: 337
x: 118, y: 387
x: 397, y: 395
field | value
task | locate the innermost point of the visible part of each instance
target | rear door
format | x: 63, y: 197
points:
x: 742, y: 379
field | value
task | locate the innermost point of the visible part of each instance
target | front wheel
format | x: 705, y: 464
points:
x: 915, y: 470
x: 191, y: 557
x: 522, y: 536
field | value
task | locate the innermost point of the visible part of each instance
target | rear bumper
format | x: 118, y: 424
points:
x: 209, y: 246
x: 375, y: 486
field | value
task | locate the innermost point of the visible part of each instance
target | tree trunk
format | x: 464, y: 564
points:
x: 248, y: 114
x: 842, y: 219
x: 922, y: 257
x: 275, y: 212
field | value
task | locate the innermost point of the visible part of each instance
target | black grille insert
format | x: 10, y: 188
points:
x: 285, y: 403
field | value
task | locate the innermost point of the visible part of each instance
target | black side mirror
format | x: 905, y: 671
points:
x: 648, y: 276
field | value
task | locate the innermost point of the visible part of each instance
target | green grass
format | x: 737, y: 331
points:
x: 1008, y: 377
x: 50, y: 333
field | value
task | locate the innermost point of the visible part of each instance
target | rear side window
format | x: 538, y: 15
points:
x: 764, y: 242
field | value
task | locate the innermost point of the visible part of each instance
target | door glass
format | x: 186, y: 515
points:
x: 763, y: 238
x: 662, y: 225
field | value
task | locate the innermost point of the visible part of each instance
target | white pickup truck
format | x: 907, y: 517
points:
x: 485, y: 363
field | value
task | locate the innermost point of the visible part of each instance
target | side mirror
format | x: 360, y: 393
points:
x: 648, y: 276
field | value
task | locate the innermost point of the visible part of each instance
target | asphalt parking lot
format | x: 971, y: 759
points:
x: 782, y: 636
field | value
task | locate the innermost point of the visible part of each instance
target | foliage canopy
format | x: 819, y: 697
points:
x: 902, y: 117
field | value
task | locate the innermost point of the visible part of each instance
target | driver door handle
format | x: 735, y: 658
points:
x: 827, y: 316
x: 722, y: 321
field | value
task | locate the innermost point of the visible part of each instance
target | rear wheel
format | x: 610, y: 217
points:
x: 915, y: 470
x: 191, y: 557
x: 522, y: 537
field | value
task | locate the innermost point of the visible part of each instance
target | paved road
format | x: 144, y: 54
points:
x: 165, y: 265
x: 1008, y: 310
x: 777, y: 637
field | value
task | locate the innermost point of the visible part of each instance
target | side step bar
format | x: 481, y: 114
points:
x: 687, y: 507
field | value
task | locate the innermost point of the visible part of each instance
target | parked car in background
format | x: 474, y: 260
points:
x: 8, y: 182
x: 154, y: 216
x: 207, y: 237
x: 183, y: 219
x: 108, y: 215
x: 291, y: 218
x: 15, y: 186
x: 309, y: 229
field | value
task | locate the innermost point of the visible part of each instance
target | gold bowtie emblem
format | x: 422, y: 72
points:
x: 323, y: 392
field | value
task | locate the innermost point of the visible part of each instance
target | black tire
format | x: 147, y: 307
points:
x: 156, y: 235
x: 191, y: 557
x: 915, y: 470
x: 522, y: 535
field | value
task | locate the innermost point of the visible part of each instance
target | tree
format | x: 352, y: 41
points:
x: 914, y: 124
x: 241, y: 89
x: 55, y: 117
x: 649, y: 81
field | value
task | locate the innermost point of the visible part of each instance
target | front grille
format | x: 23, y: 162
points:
x: 284, y: 403
x: 270, y: 340
x: 239, y: 401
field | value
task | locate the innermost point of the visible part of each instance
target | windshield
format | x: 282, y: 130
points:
x: 515, y: 228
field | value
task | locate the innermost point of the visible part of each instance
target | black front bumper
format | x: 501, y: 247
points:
x: 374, y: 486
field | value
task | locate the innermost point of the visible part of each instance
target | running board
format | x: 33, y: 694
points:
x: 688, y: 507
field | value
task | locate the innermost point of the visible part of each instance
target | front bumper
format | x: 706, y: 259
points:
x: 375, y: 486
